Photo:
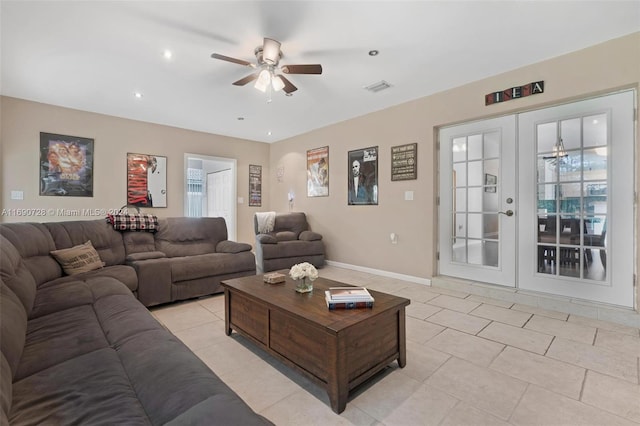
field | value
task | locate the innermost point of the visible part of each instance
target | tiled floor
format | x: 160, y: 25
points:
x: 471, y: 360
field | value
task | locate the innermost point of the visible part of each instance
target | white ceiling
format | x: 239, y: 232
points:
x: 93, y: 55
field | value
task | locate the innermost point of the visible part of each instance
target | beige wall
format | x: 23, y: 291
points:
x: 22, y: 121
x: 359, y: 235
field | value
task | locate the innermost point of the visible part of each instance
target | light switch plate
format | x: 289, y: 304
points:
x: 408, y: 195
x: 17, y: 195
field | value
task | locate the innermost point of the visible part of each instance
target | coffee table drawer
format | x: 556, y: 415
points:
x: 249, y: 316
x: 300, y: 342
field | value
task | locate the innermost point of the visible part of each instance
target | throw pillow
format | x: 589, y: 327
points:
x: 77, y: 259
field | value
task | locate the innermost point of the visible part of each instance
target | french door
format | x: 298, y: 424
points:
x: 550, y: 207
x: 477, y: 201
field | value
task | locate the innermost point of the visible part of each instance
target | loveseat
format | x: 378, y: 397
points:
x: 285, y: 241
x: 80, y: 349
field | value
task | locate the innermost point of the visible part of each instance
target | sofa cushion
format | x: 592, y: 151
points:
x: 62, y: 335
x: 309, y: 236
x: 208, y: 265
x: 266, y: 239
x: 145, y: 256
x: 286, y: 236
x: 78, y: 259
x: 33, y: 242
x: 13, y: 328
x: 107, y: 242
x: 189, y: 236
x: 14, y: 273
x: 292, y: 249
x: 6, y: 390
x: 124, y: 273
x: 295, y: 222
x: 138, y: 242
x: 60, y: 296
x: 233, y: 247
x: 92, y: 388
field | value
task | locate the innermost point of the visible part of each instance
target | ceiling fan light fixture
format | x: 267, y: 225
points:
x: 263, y: 81
x: 277, y: 83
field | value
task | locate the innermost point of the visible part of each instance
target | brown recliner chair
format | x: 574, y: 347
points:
x: 288, y: 243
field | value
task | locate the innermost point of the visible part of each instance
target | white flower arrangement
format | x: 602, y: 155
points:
x: 303, y: 270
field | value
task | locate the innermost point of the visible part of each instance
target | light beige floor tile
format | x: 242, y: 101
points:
x: 384, y: 396
x: 229, y: 358
x: 426, y: 406
x: 599, y: 359
x: 542, y: 407
x: 480, y: 387
x: 202, y: 335
x: 261, y: 386
x: 566, y: 330
x: 548, y: 373
x: 618, y: 342
x: 184, y: 315
x: 303, y: 409
x: 503, y: 315
x: 214, y: 304
x: 422, y: 361
x: 490, y: 301
x: 418, y: 294
x: 613, y: 395
x: 462, y: 345
x: 464, y: 414
x: 454, y: 303
x: 450, y: 292
x: 458, y: 321
x: 539, y: 311
x: 421, y: 310
x: 420, y: 331
x: 528, y: 340
x: 604, y: 325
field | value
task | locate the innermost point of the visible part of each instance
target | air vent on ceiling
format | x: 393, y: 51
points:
x: 377, y: 87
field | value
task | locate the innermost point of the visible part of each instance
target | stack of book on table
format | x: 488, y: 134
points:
x: 348, y: 298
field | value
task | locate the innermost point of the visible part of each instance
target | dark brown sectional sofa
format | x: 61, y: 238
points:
x: 82, y: 349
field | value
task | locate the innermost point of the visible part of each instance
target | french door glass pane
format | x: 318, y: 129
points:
x: 476, y: 176
x: 572, y: 197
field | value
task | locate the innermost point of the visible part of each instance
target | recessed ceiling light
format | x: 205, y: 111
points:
x: 138, y: 95
x: 269, y: 133
x: 373, y: 53
x: 167, y: 54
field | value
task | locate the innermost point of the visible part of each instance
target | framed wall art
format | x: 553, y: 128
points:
x: 362, y: 176
x: 255, y: 185
x: 146, y: 180
x: 490, y: 182
x: 66, y: 165
x: 318, y: 172
x: 404, y: 162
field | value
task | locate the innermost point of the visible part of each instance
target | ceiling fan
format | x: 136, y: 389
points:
x: 267, y: 68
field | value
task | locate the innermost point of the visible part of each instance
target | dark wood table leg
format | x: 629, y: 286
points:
x: 227, y: 306
x: 402, y: 337
x: 338, y: 385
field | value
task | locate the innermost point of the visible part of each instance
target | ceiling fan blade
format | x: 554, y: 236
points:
x: 288, y: 86
x: 302, y: 69
x: 271, y: 51
x: 246, y: 80
x: 234, y: 60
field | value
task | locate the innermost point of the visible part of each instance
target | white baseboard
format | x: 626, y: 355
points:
x: 410, y: 278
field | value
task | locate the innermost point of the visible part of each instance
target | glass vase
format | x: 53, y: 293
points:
x: 304, y: 285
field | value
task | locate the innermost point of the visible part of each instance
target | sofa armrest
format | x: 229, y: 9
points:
x: 266, y: 239
x: 232, y: 247
x: 154, y: 280
x: 145, y: 255
x: 309, y: 236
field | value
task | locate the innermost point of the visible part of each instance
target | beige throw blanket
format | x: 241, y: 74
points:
x: 266, y: 221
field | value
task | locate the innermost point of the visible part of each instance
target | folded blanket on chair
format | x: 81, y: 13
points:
x: 266, y: 221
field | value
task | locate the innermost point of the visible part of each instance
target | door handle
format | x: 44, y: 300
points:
x: 507, y: 213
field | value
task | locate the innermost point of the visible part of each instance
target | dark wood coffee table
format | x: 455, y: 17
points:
x: 336, y: 349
